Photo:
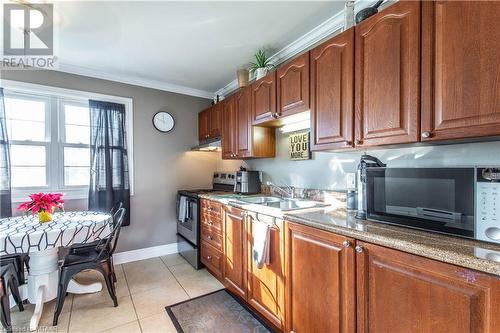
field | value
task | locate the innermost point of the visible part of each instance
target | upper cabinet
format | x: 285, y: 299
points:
x: 215, y: 120
x: 387, y: 76
x: 293, y: 86
x: 204, y: 125
x: 332, y: 93
x: 264, y: 99
x: 243, y: 103
x: 460, y: 71
x: 228, y: 128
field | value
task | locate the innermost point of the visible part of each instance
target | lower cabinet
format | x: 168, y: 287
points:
x: 321, y: 293
x: 266, y: 285
x: 401, y: 292
x: 234, y: 245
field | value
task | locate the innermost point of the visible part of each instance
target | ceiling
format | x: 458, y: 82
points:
x: 194, y: 45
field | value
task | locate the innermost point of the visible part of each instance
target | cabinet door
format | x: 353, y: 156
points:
x: 332, y: 93
x: 243, y: 101
x: 228, y: 128
x: 387, y: 76
x: 320, y: 281
x: 235, y: 272
x: 460, y: 71
x: 293, y: 86
x: 401, y: 292
x: 204, y: 125
x: 215, y: 120
x: 264, y: 99
x: 266, y: 285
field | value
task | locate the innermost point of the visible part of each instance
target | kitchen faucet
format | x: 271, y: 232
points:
x: 288, y: 193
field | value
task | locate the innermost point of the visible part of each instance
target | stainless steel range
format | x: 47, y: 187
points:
x: 188, y: 216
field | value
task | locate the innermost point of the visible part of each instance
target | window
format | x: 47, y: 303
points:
x: 49, y: 134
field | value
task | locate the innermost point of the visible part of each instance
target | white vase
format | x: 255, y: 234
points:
x: 260, y: 73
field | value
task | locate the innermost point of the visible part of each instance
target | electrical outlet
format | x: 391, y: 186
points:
x: 350, y: 181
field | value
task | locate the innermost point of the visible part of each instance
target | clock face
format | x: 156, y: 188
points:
x: 163, y: 121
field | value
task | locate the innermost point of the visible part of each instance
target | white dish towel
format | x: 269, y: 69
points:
x: 261, y: 243
x: 182, y: 209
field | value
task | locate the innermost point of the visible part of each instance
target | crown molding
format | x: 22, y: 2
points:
x: 127, y: 79
x: 332, y: 26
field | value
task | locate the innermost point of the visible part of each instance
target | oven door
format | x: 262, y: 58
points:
x: 187, y: 218
x: 437, y: 199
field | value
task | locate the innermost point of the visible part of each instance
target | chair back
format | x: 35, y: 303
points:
x: 112, y: 240
x: 115, y: 208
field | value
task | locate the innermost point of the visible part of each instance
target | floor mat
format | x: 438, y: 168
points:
x: 217, y: 312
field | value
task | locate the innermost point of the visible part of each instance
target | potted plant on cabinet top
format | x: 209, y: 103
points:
x: 261, y: 65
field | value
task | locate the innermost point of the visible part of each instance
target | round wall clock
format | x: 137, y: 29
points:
x: 163, y: 121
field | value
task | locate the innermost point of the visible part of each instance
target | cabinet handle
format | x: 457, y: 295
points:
x: 358, y: 142
x: 426, y: 134
x: 346, y: 243
x: 359, y: 248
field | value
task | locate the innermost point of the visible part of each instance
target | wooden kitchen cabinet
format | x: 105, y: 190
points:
x: 266, y: 287
x: 320, y: 270
x: 215, y: 120
x: 460, y: 71
x: 243, y: 103
x: 229, y: 128
x: 387, y: 76
x: 292, y: 84
x: 211, y: 236
x: 264, y: 99
x: 204, y: 125
x: 234, y: 244
x: 332, y: 93
x: 402, y: 292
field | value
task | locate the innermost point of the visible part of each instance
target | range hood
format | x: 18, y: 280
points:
x: 209, y: 145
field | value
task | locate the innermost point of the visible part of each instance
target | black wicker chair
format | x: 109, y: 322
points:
x: 8, y: 280
x: 98, y: 258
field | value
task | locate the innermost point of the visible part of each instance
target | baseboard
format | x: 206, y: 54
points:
x: 146, y: 253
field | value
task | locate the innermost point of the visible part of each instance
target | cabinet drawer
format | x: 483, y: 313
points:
x: 211, y: 207
x: 212, y: 236
x: 212, y: 221
x: 211, y: 258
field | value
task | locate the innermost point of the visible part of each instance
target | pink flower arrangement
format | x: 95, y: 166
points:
x: 41, y: 202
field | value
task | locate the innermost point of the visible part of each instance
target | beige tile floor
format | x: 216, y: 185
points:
x: 143, y: 289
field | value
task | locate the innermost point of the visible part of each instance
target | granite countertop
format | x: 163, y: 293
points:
x: 481, y: 256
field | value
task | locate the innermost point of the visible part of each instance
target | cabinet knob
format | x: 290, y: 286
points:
x: 358, y: 141
x: 346, y: 243
x: 209, y: 257
x: 359, y: 248
x: 426, y: 134
x: 210, y: 223
x: 348, y: 143
x: 210, y: 237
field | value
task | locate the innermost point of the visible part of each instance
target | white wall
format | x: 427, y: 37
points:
x: 327, y: 170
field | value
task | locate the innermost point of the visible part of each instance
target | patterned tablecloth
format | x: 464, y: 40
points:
x: 25, y: 234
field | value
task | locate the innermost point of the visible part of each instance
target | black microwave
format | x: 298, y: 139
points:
x: 457, y: 201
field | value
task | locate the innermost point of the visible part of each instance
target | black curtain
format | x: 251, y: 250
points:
x: 109, y: 176
x: 5, y: 190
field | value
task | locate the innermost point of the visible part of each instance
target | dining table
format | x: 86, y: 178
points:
x: 41, y: 241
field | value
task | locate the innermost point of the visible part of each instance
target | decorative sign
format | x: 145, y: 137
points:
x: 299, y: 146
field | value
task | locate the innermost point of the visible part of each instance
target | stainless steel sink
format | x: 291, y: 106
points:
x: 282, y: 203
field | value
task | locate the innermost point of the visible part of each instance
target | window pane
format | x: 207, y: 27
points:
x: 28, y: 176
x: 25, y: 119
x: 76, y: 156
x: 76, y: 166
x: 21, y: 155
x: 77, y: 134
x: 77, y: 123
x: 76, y: 176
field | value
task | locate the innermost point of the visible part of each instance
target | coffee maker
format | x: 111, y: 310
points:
x: 247, y: 182
x: 365, y: 162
